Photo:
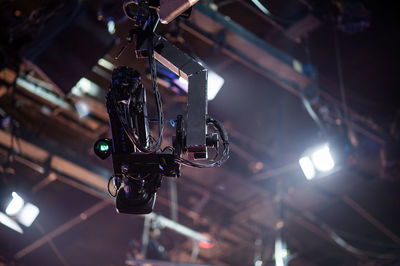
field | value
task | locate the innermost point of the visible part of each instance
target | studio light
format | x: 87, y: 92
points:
x: 317, y: 161
x: 15, y: 205
x: 322, y: 159
x: 28, y: 214
x: 307, y: 167
x: 16, y: 210
x: 10, y: 223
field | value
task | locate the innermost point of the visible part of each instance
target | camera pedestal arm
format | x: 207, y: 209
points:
x: 188, y: 68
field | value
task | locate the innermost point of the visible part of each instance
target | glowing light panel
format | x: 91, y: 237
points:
x: 15, y: 204
x: 28, y: 214
x: 307, y: 167
x: 322, y: 159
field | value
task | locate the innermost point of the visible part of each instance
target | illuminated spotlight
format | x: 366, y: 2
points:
x: 111, y: 25
x: 28, y: 214
x: 307, y: 167
x: 317, y: 161
x: 214, y: 84
x: 17, y: 209
x: 10, y: 223
x: 322, y: 159
x: 106, y: 64
x: 82, y: 108
x: 15, y: 205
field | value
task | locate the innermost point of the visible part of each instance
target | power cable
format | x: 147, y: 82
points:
x: 340, y: 75
x: 306, y: 102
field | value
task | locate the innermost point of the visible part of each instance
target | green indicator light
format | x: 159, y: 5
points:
x: 104, y: 147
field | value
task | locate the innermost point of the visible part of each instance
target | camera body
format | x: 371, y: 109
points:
x: 139, y: 162
x: 137, y: 174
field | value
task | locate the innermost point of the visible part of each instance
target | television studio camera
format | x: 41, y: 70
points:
x: 139, y: 161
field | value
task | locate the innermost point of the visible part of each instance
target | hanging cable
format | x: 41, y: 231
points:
x: 310, y: 110
x: 160, y: 114
x: 123, y: 109
x: 340, y: 75
x: 225, y: 152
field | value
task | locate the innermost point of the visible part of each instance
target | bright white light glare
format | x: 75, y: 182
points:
x: 106, y: 64
x: 307, y: 167
x: 15, y: 204
x: 258, y: 263
x: 215, y: 83
x: 82, y: 108
x: 28, y: 214
x: 322, y: 159
x: 111, y: 26
x: 10, y: 223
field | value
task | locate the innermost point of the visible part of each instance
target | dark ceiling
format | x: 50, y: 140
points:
x: 238, y: 204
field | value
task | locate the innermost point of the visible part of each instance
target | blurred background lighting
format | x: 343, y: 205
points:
x: 85, y: 86
x: 111, y: 26
x: 82, y: 108
x: 106, y: 64
x: 258, y: 263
